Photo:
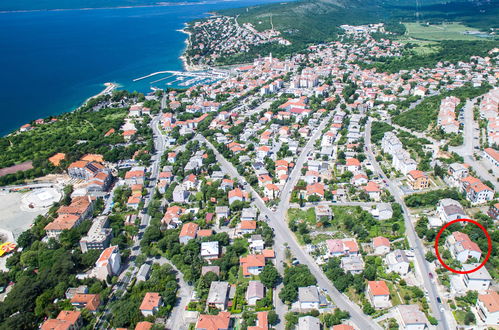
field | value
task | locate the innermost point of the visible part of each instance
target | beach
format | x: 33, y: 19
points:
x: 186, y: 65
x: 109, y: 87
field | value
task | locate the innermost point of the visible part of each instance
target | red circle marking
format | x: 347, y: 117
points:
x: 489, y: 241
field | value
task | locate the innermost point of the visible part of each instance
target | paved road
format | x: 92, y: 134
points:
x: 467, y: 149
x: 284, y: 236
x: 295, y: 174
x: 414, y: 241
x: 184, y: 293
x: 129, y: 270
x: 329, y: 203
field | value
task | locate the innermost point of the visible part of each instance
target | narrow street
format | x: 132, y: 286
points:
x: 283, y: 236
x: 467, y: 149
x: 414, y: 241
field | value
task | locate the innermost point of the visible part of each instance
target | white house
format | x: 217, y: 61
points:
x: 309, y: 323
x: 150, y: 304
x: 254, y: 292
x: 478, y: 281
x: 209, y: 250
x: 461, y: 247
x: 379, y: 294
x: 487, y: 307
x: 449, y: 210
x: 397, y: 261
x: 308, y: 297
x: 411, y: 317
x: 381, y: 245
x: 218, y: 295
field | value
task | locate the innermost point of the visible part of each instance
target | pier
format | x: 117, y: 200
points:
x: 194, y: 75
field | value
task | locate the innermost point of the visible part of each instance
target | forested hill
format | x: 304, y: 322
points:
x: 306, y: 22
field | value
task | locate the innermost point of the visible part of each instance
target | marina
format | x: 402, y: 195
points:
x: 185, y: 78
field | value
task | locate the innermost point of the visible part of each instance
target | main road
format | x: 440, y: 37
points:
x: 414, y: 241
x: 467, y: 149
x: 284, y: 236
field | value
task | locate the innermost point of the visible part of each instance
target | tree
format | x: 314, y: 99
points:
x: 469, y: 318
x: 430, y: 257
x: 368, y: 309
x: 269, y: 276
x: 272, y: 318
x: 370, y: 273
x: 25, y: 239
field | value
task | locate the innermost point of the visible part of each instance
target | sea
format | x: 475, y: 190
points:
x: 51, y: 61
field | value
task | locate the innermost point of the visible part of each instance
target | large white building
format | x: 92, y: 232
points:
x: 108, y: 264
x: 477, y: 281
x: 401, y: 160
x: 98, y: 237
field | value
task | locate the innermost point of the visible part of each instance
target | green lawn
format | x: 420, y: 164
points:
x: 452, y: 31
x: 307, y: 215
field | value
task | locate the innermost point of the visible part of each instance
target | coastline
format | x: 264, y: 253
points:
x: 183, y: 57
x: 109, y: 87
x: 185, y: 64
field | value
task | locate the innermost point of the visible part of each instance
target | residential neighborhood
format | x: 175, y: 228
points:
x: 292, y: 194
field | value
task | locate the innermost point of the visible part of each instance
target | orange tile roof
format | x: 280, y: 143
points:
x: 71, y: 316
x: 64, y: 321
x: 416, y: 174
x: 493, y: 153
x: 378, y: 288
x: 490, y: 301
x: 62, y: 222
x: 134, y: 174
x: 189, y: 229
x: 93, y: 158
x: 262, y: 322
x: 237, y: 193
x: 144, y: 325
x: 251, y: 260
x: 248, y: 225
x: 351, y: 245
x: 343, y: 327
x: 57, y: 158
x: 204, y: 232
x: 150, y: 301
x: 55, y: 324
x: 78, y: 206
x: 466, y: 242
x: 78, y: 164
x: 371, y: 187
x: 316, y: 188
x: 106, y: 254
x: 213, y: 322
x: 352, y: 162
x: 268, y: 253
x: 381, y: 241
x: 134, y: 199
x: 91, y: 301
x: 111, y: 131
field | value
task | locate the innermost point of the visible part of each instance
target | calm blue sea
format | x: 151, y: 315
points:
x: 51, y: 61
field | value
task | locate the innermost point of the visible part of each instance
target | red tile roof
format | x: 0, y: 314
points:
x: 189, y: 229
x: 213, y: 322
x: 150, y: 301
x: 490, y: 301
x: 378, y: 288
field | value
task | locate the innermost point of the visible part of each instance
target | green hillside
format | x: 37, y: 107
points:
x: 306, y: 22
